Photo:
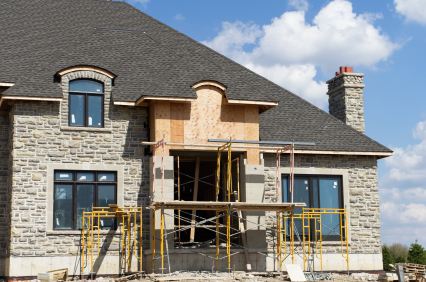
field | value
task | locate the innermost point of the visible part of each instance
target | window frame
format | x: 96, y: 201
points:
x: 311, y: 178
x: 86, y: 95
x: 74, y: 183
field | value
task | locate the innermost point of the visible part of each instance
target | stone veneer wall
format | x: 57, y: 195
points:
x: 4, y: 189
x: 40, y: 140
x: 364, y: 218
x: 346, y: 99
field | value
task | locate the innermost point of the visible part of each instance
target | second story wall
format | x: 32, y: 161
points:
x: 207, y: 117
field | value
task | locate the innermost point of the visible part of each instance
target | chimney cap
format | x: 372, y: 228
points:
x: 343, y: 69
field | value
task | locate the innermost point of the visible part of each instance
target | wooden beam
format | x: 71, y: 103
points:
x: 194, y: 198
x: 223, y: 206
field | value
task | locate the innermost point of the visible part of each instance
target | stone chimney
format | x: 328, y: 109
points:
x: 346, y: 97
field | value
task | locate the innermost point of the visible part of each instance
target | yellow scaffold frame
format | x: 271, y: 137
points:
x: 130, y: 224
x: 311, y: 221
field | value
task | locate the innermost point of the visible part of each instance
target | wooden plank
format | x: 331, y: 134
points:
x: 178, y: 112
x: 221, y: 206
x: 194, y: 198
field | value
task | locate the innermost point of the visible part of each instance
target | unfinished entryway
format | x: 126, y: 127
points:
x: 197, y: 176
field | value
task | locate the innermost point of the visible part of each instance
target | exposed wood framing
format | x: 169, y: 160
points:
x: 209, y: 116
x: 223, y: 206
x: 194, y: 198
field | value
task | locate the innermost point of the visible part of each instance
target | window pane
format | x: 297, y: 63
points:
x: 86, y: 176
x: 94, y: 111
x: 106, y: 196
x: 76, y: 114
x: 62, y: 215
x: 84, y: 201
x: 63, y: 175
x: 106, y: 176
x: 301, y: 195
x: 286, y: 192
x: 301, y: 192
x: 330, y: 198
x: 86, y: 86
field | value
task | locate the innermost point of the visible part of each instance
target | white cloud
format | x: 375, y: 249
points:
x: 233, y: 37
x: 420, y: 130
x: 298, y: 78
x: 301, y: 5
x: 403, y: 191
x: 291, y: 51
x: 413, y: 10
x: 409, y: 163
x: 179, y: 17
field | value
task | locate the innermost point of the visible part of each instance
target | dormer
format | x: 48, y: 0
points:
x: 211, y: 115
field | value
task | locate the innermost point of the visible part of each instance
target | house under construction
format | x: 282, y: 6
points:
x: 129, y: 147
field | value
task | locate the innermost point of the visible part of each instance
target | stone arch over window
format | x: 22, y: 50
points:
x: 72, y: 81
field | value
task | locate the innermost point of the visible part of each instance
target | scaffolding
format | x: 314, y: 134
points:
x: 128, y: 220
x: 305, y: 241
x: 223, y: 210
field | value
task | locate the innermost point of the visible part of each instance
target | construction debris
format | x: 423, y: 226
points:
x: 54, y: 275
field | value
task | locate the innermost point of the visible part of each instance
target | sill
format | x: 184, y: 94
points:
x: 76, y: 232
x: 91, y: 129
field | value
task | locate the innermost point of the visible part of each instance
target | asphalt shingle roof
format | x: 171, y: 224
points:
x: 40, y: 37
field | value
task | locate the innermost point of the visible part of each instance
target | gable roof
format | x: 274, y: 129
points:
x: 41, y: 37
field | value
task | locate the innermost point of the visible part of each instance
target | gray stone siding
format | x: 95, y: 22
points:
x: 4, y: 188
x: 346, y: 99
x: 363, y: 202
x: 40, y: 141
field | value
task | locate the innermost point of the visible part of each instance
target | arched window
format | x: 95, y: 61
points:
x: 86, y: 103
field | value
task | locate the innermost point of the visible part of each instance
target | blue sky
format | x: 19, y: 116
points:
x: 299, y: 44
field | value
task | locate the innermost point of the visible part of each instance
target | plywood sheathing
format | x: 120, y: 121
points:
x: 209, y: 116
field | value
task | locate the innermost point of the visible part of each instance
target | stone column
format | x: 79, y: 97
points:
x: 162, y: 189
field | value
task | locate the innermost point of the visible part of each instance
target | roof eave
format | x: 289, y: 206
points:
x: 347, y: 153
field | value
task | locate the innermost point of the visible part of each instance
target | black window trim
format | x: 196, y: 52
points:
x: 311, y: 193
x: 86, y: 95
x: 74, y: 182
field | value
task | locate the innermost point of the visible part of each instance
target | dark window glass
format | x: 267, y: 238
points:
x: 84, y: 201
x: 62, y: 217
x: 86, y: 103
x: 86, y: 86
x: 85, y: 176
x: 329, y: 197
x: 63, y: 175
x: 77, y: 109
x: 106, y: 197
x: 78, y: 191
x: 317, y: 192
x: 106, y: 176
x: 95, y: 109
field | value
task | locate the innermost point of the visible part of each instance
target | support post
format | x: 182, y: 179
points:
x: 194, y: 198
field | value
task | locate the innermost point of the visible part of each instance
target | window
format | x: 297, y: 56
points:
x: 317, y: 191
x: 86, y: 103
x: 78, y: 191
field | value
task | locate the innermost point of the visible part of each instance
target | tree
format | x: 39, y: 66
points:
x: 416, y: 253
x: 399, y: 252
x: 387, y: 258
